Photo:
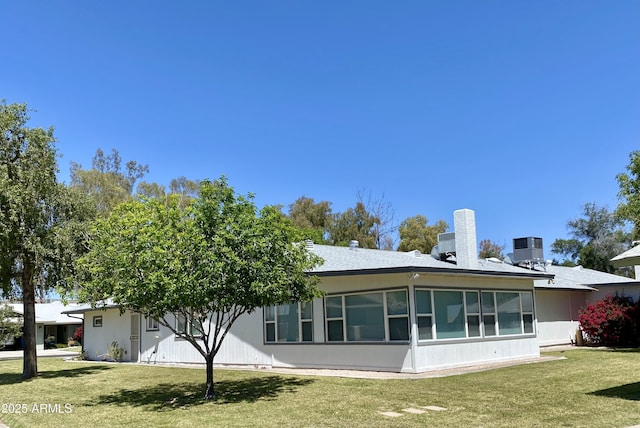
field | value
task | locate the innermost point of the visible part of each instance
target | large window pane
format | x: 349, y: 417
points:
x: 365, y: 317
x: 424, y: 328
x: 509, y: 313
x: 287, y: 322
x: 397, y: 303
x: 449, y: 314
x: 399, y: 328
x: 423, y: 301
x: 334, y: 307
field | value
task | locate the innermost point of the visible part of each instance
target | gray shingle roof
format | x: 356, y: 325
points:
x: 344, y: 261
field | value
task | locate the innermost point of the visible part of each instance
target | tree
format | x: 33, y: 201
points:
x: 354, y: 224
x: 415, y: 234
x: 204, y: 265
x: 182, y: 186
x: 311, y: 217
x: 106, y: 182
x: 629, y: 194
x: 489, y: 249
x: 382, y: 210
x: 597, y: 238
x: 41, y: 221
x: 9, y: 327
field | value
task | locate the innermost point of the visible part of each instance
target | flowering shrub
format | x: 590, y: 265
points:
x: 77, y: 335
x: 612, y: 321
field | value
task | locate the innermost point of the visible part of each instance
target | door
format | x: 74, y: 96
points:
x: 135, y: 337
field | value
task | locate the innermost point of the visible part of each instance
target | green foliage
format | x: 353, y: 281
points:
x: 312, y: 218
x: 41, y: 221
x: 415, y: 234
x: 115, y: 351
x: 207, y: 263
x: 629, y: 193
x: 107, y: 183
x: 185, y: 188
x: 354, y: 224
x: 9, y: 326
x: 597, y: 238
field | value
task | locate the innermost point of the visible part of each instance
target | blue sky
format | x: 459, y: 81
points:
x: 520, y: 110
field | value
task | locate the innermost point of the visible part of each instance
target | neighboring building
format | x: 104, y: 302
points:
x: 384, y: 310
x: 50, y: 321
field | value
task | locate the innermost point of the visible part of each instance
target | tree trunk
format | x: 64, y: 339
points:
x: 30, y: 362
x: 209, y: 393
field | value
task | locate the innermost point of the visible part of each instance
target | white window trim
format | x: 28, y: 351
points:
x: 481, y: 314
x: 152, y: 324
x: 301, y: 321
x: 386, y: 316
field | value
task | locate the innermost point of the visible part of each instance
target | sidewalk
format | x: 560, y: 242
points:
x: 41, y: 353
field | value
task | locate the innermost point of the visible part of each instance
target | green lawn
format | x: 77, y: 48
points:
x: 591, y: 388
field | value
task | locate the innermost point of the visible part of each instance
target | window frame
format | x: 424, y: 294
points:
x: 386, y: 316
x: 97, y: 321
x: 188, y: 325
x: 485, y: 311
x: 152, y: 324
x: 302, y: 322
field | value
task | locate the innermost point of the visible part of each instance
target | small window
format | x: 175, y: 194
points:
x: 291, y: 322
x: 152, y: 324
x: 97, y: 321
x: 182, y: 324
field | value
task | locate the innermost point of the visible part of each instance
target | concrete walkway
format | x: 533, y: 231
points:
x: 41, y: 353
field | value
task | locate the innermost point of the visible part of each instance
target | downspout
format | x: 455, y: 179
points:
x: 414, y: 327
x: 83, y: 330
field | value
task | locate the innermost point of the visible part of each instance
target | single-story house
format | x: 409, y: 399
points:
x: 383, y: 310
x: 50, y: 321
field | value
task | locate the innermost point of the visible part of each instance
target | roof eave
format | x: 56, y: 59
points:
x: 422, y: 269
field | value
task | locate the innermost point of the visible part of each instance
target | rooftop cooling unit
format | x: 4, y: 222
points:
x: 527, y: 249
x: 447, y: 243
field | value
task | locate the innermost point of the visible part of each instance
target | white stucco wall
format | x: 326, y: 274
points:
x: 115, y: 328
x: 557, y: 312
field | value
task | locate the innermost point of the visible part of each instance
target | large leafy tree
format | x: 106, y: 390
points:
x: 629, y: 194
x: 354, y: 224
x: 205, y: 264
x: 313, y: 218
x: 41, y: 221
x: 107, y: 182
x: 597, y: 237
x: 416, y: 234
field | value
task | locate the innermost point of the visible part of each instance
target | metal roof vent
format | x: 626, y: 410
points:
x: 353, y: 244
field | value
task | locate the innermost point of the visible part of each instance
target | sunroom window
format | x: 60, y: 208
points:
x: 368, y: 317
x: 291, y: 322
x: 458, y: 314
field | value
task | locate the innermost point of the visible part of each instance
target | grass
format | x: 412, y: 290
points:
x: 590, y: 388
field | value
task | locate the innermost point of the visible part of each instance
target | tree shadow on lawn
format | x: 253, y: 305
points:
x: 13, y: 378
x: 183, y: 395
x: 630, y: 391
